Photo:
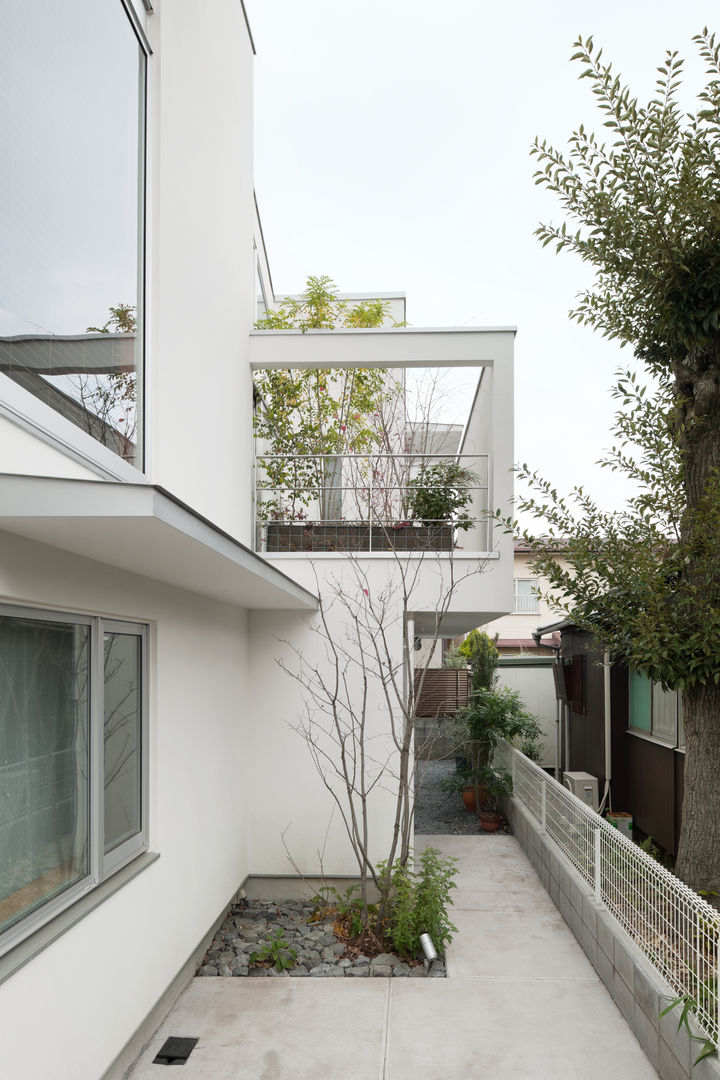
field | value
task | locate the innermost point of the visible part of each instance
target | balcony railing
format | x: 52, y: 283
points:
x: 675, y: 928
x: 370, y: 502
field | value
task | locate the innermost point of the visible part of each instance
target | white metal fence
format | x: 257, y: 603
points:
x: 675, y: 928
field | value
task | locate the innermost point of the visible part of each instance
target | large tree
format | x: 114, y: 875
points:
x: 643, y: 210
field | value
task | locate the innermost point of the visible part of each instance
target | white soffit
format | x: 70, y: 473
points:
x: 401, y: 347
x: 453, y: 623
x: 144, y: 530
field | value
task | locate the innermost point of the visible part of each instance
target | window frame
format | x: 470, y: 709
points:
x: 101, y: 866
x: 36, y: 416
x: 651, y: 734
x: 532, y: 594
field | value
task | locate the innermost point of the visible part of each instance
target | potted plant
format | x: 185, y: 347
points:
x: 438, y: 499
x: 492, y: 714
x: 498, y: 784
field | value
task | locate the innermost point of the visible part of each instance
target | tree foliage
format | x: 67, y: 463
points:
x: 647, y: 204
x: 308, y: 416
x: 647, y: 579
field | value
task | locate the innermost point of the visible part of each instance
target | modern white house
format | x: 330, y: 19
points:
x: 148, y: 762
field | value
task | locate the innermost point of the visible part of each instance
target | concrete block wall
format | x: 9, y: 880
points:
x: 637, y: 988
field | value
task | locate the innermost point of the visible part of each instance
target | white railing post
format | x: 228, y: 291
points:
x: 543, y: 804
x: 716, y: 974
x: 513, y: 759
x: 370, y: 508
x: 597, y: 874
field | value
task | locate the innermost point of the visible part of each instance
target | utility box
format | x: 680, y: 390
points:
x: 584, y: 786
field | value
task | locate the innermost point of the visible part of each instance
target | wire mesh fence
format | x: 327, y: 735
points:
x: 674, y: 927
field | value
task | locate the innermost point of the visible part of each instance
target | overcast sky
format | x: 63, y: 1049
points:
x: 391, y: 149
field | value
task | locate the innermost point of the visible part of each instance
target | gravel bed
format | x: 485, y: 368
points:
x: 251, y: 924
x: 437, y: 810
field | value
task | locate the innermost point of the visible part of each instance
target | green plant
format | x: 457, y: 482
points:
x: 418, y: 901
x: 493, y: 715
x: 348, y: 907
x: 278, y: 951
x: 481, y: 651
x: 454, y: 658
x: 441, y: 493
x: 308, y: 417
x: 641, y: 210
x: 688, y: 1004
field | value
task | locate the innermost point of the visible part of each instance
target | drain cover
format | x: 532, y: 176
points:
x: 174, y: 1051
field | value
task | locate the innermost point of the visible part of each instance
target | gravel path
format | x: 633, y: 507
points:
x: 436, y: 810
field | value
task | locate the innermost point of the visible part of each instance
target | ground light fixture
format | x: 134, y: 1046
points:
x: 427, y: 947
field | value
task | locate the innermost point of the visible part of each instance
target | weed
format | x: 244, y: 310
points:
x: 688, y: 1004
x: 277, y: 950
x: 348, y: 908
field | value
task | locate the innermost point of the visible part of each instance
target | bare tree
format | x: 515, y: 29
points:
x: 371, y: 657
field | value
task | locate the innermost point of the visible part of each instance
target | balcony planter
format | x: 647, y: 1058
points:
x: 316, y: 536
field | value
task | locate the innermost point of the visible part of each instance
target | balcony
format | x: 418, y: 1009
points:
x: 372, y: 503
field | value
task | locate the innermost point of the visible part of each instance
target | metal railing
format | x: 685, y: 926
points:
x: 369, y: 502
x: 526, y: 603
x: 674, y: 927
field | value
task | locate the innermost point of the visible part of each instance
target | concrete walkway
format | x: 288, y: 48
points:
x: 521, y: 1001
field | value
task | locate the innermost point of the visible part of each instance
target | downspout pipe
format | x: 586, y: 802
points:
x: 607, y: 716
x: 537, y: 636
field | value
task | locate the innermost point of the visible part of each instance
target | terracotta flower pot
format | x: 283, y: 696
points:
x: 491, y: 821
x: 468, y: 796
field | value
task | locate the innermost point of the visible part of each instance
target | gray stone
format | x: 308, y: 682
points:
x: 339, y: 948
x: 418, y: 972
x: 380, y: 970
x: 320, y: 969
x: 237, y: 969
x: 363, y: 970
x: 208, y: 969
x: 401, y: 969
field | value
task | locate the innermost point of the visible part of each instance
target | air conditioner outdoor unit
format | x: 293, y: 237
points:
x: 584, y: 786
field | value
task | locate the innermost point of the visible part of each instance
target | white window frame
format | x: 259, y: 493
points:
x: 533, y: 595
x: 101, y: 866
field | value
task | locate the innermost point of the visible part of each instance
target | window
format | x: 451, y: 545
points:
x: 655, y: 711
x: 72, y: 104
x: 72, y: 760
x: 526, y: 598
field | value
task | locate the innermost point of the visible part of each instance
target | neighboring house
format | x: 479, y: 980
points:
x: 515, y: 630
x: 146, y: 763
x: 631, y: 739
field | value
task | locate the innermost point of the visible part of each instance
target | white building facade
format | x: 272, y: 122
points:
x: 143, y: 717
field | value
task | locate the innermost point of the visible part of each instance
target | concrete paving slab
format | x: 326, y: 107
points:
x: 506, y: 1029
x: 277, y: 1029
x: 521, y: 1001
x: 515, y: 944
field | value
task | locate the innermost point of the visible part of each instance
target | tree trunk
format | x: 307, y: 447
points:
x: 698, y: 861
x: 697, y: 389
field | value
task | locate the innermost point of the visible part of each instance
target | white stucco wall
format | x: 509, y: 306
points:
x: 285, y: 791
x: 200, y: 257
x: 94, y: 986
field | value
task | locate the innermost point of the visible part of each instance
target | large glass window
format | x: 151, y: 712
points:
x: 72, y: 93
x: 69, y: 686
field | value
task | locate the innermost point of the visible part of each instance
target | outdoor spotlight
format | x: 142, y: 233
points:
x: 427, y: 947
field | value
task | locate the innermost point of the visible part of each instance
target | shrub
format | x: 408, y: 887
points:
x: 418, y: 902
